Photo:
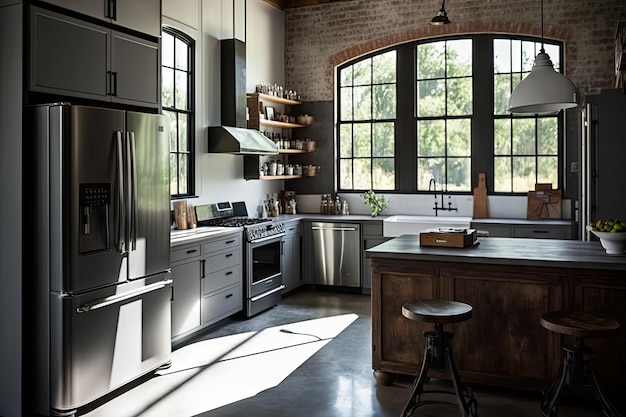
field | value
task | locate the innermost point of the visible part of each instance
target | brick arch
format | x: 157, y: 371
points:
x: 431, y: 31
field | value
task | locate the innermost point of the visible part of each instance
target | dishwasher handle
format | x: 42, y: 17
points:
x: 340, y: 229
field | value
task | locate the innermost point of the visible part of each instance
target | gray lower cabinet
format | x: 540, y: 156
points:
x: 140, y: 15
x: 72, y: 57
x: 372, y: 236
x: 546, y: 229
x: 291, y: 256
x: 185, y: 262
x: 222, y: 278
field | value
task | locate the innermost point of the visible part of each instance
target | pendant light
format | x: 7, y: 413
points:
x: 442, y: 17
x: 543, y: 91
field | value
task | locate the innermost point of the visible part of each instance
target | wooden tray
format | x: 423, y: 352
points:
x: 453, y: 238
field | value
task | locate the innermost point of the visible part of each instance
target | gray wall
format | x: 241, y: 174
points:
x: 11, y: 209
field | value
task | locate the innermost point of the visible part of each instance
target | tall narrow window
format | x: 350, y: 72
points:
x: 177, y: 100
x: 444, y: 114
x: 526, y: 148
x: 367, y: 124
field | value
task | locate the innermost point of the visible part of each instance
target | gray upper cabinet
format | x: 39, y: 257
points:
x: 140, y: 15
x: 72, y: 57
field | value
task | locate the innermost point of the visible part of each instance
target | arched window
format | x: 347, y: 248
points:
x: 436, y: 109
x: 177, y: 77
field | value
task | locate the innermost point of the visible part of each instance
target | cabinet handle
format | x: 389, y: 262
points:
x: 228, y: 242
x: 541, y: 231
x: 228, y: 255
x: 112, y: 9
x: 203, y: 268
x: 192, y: 251
x: 114, y: 83
x: 229, y: 295
x: 229, y: 273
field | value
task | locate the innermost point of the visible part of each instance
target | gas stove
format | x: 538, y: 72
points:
x: 227, y: 214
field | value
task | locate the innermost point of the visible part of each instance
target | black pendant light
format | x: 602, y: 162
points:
x: 441, y: 18
x: 543, y: 91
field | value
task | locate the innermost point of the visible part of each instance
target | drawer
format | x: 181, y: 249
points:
x: 222, y: 261
x: 293, y: 228
x: 540, y: 232
x: 221, y: 279
x: 373, y: 228
x: 222, y: 305
x: 187, y: 252
x: 226, y: 243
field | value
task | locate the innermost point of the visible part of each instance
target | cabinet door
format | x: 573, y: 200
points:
x: 93, y: 8
x: 186, y: 300
x: 136, y: 70
x: 67, y: 56
x: 292, y: 276
x: 140, y: 15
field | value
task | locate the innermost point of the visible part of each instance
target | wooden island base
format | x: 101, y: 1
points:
x: 503, y: 344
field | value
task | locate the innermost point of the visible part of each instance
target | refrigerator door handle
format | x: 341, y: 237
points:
x: 133, y: 183
x: 84, y: 308
x: 121, y: 204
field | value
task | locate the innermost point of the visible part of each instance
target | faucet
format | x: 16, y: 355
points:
x: 432, y: 186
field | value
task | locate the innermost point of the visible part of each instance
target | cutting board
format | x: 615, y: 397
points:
x: 481, y: 210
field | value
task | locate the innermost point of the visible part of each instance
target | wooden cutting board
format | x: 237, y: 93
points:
x: 481, y: 210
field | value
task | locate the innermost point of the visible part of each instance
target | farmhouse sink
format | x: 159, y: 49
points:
x: 412, y: 225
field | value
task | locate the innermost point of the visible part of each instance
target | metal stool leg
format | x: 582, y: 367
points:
x: 438, y: 355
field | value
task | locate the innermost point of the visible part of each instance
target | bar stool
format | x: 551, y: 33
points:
x: 438, y: 354
x: 577, y: 370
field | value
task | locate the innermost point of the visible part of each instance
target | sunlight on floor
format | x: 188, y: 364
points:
x: 212, y: 373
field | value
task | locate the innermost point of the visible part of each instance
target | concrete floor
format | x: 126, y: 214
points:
x: 336, y: 381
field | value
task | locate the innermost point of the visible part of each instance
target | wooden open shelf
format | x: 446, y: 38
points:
x: 279, y: 177
x: 275, y: 123
x: 275, y: 99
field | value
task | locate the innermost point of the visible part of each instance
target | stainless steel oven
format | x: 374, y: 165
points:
x: 263, y: 279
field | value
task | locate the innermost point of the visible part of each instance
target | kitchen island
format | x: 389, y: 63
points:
x: 509, y: 282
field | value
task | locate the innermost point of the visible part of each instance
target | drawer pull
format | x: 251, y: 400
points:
x: 229, y: 295
x: 228, y: 242
x: 229, y: 273
x: 228, y: 255
x: 192, y: 251
x: 541, y: 231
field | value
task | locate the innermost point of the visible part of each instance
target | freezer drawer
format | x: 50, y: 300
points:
x: 337, y: 254
x: 103, y: 339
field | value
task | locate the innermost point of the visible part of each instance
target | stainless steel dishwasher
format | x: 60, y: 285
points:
x: 337, y: 254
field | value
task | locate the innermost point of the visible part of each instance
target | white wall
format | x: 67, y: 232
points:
x: 219, y: 177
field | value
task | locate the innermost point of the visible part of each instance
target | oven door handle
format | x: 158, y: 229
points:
x: 266, y: 239
x: 258, y: 297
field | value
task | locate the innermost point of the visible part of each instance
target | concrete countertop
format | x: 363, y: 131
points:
x: 327, y: 217
x: 506, y: 251
x: 187, y: 236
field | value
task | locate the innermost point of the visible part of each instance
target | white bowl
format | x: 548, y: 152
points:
x: 614, y: 243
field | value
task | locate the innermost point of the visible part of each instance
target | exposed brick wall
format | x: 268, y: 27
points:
x: 318, y: 38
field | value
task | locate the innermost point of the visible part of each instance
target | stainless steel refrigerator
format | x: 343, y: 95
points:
x: 100, y: 245
x: 603, y: 158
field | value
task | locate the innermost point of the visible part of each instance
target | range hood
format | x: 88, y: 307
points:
x: 233, y: 136
x: 237, y: 140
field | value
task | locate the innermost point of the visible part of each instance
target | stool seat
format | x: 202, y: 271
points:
x: 580, y: 324
x: 437, y: 311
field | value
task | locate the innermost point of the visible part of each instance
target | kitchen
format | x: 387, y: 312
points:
x: 278, y: 49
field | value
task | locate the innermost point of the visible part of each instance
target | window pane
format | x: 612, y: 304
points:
x: 523, y: 136
x: 501, y: 93
x: 553, y: 51
x: 459, y: 137
x: 524, y: 174
x: 345, y: 141
x: 362, y: 140
x: 459, y: 173
x: 460, y: 96
x: 183, y: 163
x: 384, y: 101
x: 516, y: 55
x: 529, y: 52
x: 459, y: 58
x: 173, y: 130
x: 181, y: 55
x: 431, y: 136
x: 362, y: 174
x: 346, y: 76
x: 362, y: 103
x: 167, y: 87
x: 428, y: 168
x: 181, y: 90
x: 167, y: 50
x: 383, y: 174
x: 502, y: 174
x: 384, y: 68
x: 345, y: 170
x: 363, y: 72
x: 431, y: 98
x: 547, y: 136
x: 383, y: 139
x: 502, y: 56
x: 183, y: 142
x: 502, y: 136
x: 346, y: 103
x: 430, y: 60
x: 173, y: 174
